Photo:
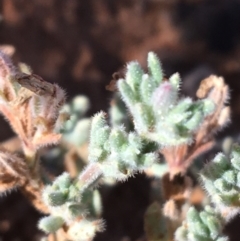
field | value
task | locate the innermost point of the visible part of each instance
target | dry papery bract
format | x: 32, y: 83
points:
x: 179, y: 158
x: 35, y: 117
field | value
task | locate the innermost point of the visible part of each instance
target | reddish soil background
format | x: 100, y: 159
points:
x: 81, y: 43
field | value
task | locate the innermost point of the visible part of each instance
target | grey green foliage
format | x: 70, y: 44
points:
x: 159, y: 115
x: 201, y: 226
x: 76, y: 130
x: 221, y: 179
x: 50, y: 224
x: 120, y: 153
x: 117, y: 150
x: 70, y: 204
x: 118, y: 113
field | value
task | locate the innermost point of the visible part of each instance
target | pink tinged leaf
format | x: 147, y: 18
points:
x: 90, y: 174
x: 164, y: 96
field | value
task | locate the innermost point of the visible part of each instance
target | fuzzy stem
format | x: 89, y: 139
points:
x: 32, y: 158
x: 90, y: 175
x: 34, y: 186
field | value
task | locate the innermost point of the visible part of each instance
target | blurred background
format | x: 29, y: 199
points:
x: 80, y: 43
